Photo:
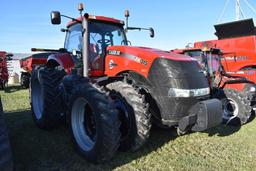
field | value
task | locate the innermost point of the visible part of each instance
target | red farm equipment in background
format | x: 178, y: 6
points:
x: 4, y: 76
x: 237, y: 41
x: 236, y: 93
x: 27, y: 64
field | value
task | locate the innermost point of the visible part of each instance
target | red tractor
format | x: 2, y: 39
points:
x: 28, y: 63
x: 237, y: 41
x: 4, y: 57
x: 108, y: 90
x: 237, y: 94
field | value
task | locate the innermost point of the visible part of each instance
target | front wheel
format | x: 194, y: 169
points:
x: 94, y: 123
x: 133, y: 113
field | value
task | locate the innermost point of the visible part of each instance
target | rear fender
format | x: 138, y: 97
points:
x: 61, y: 59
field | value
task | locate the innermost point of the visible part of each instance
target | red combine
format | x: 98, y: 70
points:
x: 4, y: 57
x: 109, y: 90
x: 237, y: 40
x: 236, y: 93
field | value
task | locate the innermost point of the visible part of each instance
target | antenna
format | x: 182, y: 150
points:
x: 238, y: 11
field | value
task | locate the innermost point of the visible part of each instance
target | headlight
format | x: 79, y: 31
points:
x: 252, y: 89
x: 176, y: 92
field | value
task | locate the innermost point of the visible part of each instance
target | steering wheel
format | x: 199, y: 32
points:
x: 106, y: 41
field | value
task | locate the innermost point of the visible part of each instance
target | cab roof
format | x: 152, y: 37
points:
x: 98, y: 18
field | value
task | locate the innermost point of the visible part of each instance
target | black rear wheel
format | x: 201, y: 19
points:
x: 94, y: 123
x: 25, y: 79
x: 3, y: 85
x: 46, y: 101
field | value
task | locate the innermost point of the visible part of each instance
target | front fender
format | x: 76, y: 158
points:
x: 62, y: 59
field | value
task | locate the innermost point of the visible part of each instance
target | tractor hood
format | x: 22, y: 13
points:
x: 163, y: 64
x: 173, y: 64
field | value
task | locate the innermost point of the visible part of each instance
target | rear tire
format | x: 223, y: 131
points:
x: 235, y: 106
x: 6, y: 163
x: 25, y: 79
x: 46, y: 101
x: 3, y: 85
x: 94, y: 123
x: 133, y: 113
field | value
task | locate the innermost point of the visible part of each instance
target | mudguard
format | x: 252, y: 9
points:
x: 65, y: 60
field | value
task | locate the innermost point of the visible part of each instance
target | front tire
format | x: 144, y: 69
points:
x: 133, y: 113
x: 46, y: 101
x: 94, y: 123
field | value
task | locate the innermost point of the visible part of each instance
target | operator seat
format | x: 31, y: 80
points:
x: 94, y: 56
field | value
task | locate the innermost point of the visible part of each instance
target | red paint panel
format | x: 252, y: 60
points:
x: 238, y: 52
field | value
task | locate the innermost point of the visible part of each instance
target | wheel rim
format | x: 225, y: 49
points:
x: 83, y: 124
x: 37, y: 99
x: 123, y: 114
x: 230, y: 108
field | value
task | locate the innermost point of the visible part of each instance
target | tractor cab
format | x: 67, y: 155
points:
x: 89, y: 37
x: 103, y: 32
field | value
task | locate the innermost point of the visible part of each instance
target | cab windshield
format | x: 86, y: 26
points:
x: 101, y: 35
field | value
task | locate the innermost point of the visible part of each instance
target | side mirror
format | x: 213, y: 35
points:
x: 152, y: 32
x: 55, y: 17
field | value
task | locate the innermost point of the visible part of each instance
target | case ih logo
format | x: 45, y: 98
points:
x: 114, y: 52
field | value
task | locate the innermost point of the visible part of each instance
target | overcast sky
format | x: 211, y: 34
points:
x: 26, y: 24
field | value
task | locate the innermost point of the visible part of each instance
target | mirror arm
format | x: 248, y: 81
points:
x: 136, y: 28
x: 73, y: 19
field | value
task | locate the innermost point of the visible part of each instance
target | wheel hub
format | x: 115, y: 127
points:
x: 83, y: 124
x: 37, y: 99
x: 124, y: 117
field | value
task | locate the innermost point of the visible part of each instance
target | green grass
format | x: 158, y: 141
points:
x: 221, y: 148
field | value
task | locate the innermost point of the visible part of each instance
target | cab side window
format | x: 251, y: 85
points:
x: 74, y: 38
